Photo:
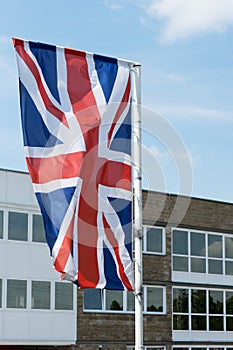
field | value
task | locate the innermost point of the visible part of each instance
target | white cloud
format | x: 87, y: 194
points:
x: 200, y: 114
x: 184, y: 18
x: 113, y: 6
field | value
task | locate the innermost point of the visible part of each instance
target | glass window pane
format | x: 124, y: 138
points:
x: 180, y: 322
x: 215, y: 302
x: 199, y: 323
x: 198, y: 299
x: 216, y: 323
x: 0, y: 293
x: 215, y: 266
x: 154, y: 240
x: 215, y: 246
x: 229, y: 247
x: 229, y: 303
x: 154, y: 299
x: 130, y: 301
x: 92, y: 299
x: 38, y: 233
x: 229, y: 267
x: 63, y: 296
x: 229, y: 324
x: 198, y: 244
x: 16, y: 294
x: 1, y: 224
x: 198, y: 265
x: 18, y: 226
x: 180, y: 300
x: 40, y: 295
x: 180, y: 263
x: 114, y: 300
x: 180, y: 242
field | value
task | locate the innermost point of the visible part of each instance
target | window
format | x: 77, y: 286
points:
x: 16, y: 294
x: 132, y: 347
x: 114, y: 300
x: 92, y: 299
x: 18, y: 226
x: 202, y: 309
x: 63, y: 296
x: 38, y: 233
x: 202, y: 252
x: 154, y: 297
x: 202, y: 347
x: 1, y: 224
x: 154, y: 240
x: 40, y: 295
x: 0, y: 293
x: 97, y: 300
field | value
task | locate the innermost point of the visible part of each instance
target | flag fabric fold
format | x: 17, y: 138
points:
x: 76, y: 123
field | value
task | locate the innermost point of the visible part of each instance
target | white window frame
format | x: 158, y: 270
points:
x: 144, y: 248
x: 207, y: 347
x: 16, y: 209
x: 147, y: 347
x: 202, y: 277
x: 224, y: 315
x: 105, y: 310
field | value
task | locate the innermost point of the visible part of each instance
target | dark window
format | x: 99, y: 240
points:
x: 18, y: 226
x: 154, y: 297
x: 63, y: 296
x: 197, y: 244
x: 214, y: 246
x: 1, y: 224
x: 198, y: 323
x: 180, y: 322
x: 154, y: 239
x: 114, y: 300
x: 229, y: 247
x: 180, y: 242
x: 92, y: 299
x: 40, y: 295
x: 180, y: 263
x: 198, y: 301
x: 0, y: 293
x: 38, y: 233
x: 16, y: 294
x: 180, y: 300
x: 215, y: 302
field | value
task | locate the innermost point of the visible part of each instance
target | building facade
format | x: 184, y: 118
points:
x: 187, y: 279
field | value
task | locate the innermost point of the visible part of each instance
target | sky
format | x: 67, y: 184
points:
x: 186, y: 52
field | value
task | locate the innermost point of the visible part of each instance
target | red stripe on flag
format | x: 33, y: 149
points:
x: 115, y: 174
x: 80, y: 90
x: 113, y: 241
x: 88, y: 271
x: 64, y: 166
x: 19, y: 46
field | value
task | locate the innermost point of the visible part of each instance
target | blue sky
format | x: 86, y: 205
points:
x: 185, y: 48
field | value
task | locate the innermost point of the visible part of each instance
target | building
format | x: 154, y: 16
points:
x: 187, y: 277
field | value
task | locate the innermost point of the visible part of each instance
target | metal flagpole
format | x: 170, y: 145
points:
x: 136, y: 105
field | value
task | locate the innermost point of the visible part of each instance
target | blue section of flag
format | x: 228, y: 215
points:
x: 122, y: 139
x: 54, y: 214
x: 46, y: 57
x: 35, y: 133
x: 112, y: 279
x: 106, y: 68
x: 123, y: 208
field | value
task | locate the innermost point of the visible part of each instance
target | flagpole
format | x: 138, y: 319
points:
x: 136, y: 104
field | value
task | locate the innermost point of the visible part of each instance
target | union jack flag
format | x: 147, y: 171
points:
x: 76, y: 122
